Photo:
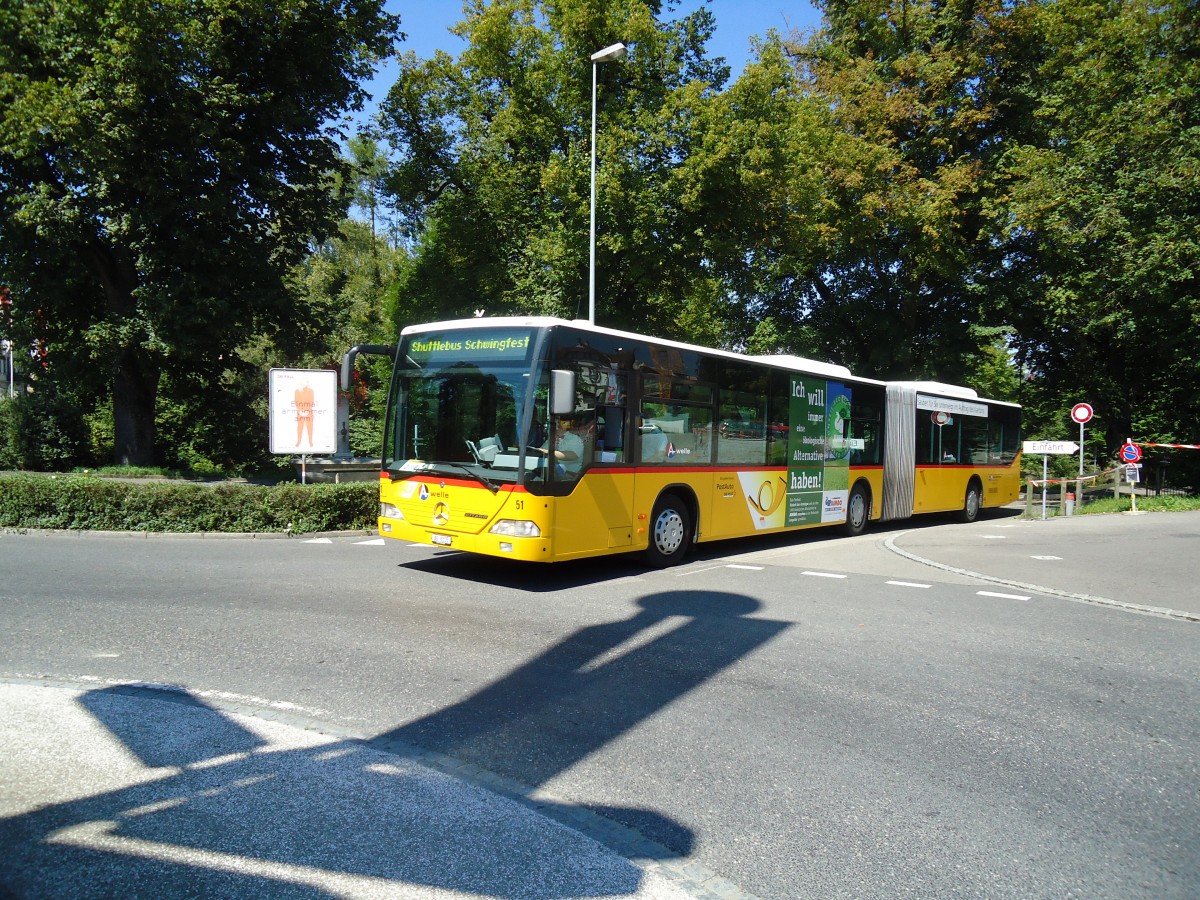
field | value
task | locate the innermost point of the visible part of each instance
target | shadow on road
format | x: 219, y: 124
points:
x: 549, y: 578
x: 218, y: 810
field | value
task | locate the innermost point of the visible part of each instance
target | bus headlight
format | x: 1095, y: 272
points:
x: 390, y: 511
x: 516, y: 528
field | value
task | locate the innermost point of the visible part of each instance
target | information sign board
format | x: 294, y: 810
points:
x: 303, y: 410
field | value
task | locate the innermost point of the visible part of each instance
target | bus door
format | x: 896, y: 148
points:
x: 590, y: 477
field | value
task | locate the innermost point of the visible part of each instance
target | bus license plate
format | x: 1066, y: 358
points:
x: 443, y: 539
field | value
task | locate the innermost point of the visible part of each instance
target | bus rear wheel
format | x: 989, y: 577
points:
x: 972, y: 503
x: 858, y: 511
x: 670, y: 532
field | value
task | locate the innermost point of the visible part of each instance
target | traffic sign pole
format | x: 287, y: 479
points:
x: 1081, y: 450
x: 1045, y: 480
x: 1081, y: 413
x: 1130, y: 454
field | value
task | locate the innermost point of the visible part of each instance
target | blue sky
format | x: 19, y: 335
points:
x: 427, y: 23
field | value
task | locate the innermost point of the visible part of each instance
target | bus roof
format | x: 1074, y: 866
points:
x: 788, y: 361
x: 946, y: 390
x: 938, y: 387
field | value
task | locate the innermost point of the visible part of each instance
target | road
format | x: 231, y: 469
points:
x: 814, y: 718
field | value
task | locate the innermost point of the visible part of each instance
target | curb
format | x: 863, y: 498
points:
x: 205, y: 535
x: 1159, y: 611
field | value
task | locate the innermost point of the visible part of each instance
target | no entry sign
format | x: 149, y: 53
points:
x: 1081, y: 412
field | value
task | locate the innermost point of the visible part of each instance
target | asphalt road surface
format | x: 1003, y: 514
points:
x: 1005, y: 709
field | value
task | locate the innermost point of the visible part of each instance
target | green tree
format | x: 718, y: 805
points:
x: 1101, y: 214
x: 907, y: 265
x: 755, y: 189
x: 162, y: 164
x: 366, y: 179
x: 346, y: 289
x: 493, y: 174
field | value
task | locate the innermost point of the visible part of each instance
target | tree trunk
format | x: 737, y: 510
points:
x: 135, y: 376
x: 135, y: 391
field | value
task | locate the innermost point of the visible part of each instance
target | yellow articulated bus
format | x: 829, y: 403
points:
x: 545, y: 440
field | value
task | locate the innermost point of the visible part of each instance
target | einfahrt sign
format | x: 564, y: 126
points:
x: 1049, y: 447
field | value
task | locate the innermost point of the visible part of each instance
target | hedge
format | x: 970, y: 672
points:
x: 88, y: 503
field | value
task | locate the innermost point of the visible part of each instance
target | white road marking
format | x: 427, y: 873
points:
x: 822, y: 574
x: 1045, y: 557
x: 701, y: 571
x: 1001, y: 596
x: 748, y: 568
x: 912, y: 584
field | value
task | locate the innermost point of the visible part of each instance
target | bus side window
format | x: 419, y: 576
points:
x: 974, y: 440
x: 866, y: 426
x: 610, y: 434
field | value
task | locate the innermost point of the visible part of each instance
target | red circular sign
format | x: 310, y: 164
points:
x: 940, y: 418
x: 1081, y: 412
x: 1131, y: 452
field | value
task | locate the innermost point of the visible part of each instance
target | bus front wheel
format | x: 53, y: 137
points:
x: 972, y: 503
x: 670, y: 532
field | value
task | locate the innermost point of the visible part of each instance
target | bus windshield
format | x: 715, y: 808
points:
x: 461, y: 407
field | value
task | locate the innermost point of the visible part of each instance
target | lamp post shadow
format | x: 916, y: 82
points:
x: 593, y: 687
x: 216, y: 808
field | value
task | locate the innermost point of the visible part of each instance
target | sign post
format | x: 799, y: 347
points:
x: 1131, y: 454
x: 1081, y: 413
x: 1046, y: 448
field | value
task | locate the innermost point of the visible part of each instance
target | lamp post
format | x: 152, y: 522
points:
x: 608, y: 54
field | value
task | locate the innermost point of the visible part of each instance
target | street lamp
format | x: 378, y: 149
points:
x: 608, y: 54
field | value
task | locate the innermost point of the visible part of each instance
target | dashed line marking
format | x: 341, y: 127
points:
x: 1045, y: 557
x: 822, y: 574
x: 700, y: 571
x: 319, y: 541
x: 1001, y: 596
x: 748, y: 568
x: 376, y: 542
x: 911, y: 584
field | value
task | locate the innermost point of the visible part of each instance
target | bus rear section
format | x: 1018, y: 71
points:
x: 949, y: 450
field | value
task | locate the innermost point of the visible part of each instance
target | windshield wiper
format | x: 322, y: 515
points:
x: 426, y: 468
x: 482, y: 479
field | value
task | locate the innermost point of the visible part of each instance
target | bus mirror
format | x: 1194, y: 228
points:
x: 347, y: 378
x: 562, y: 392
